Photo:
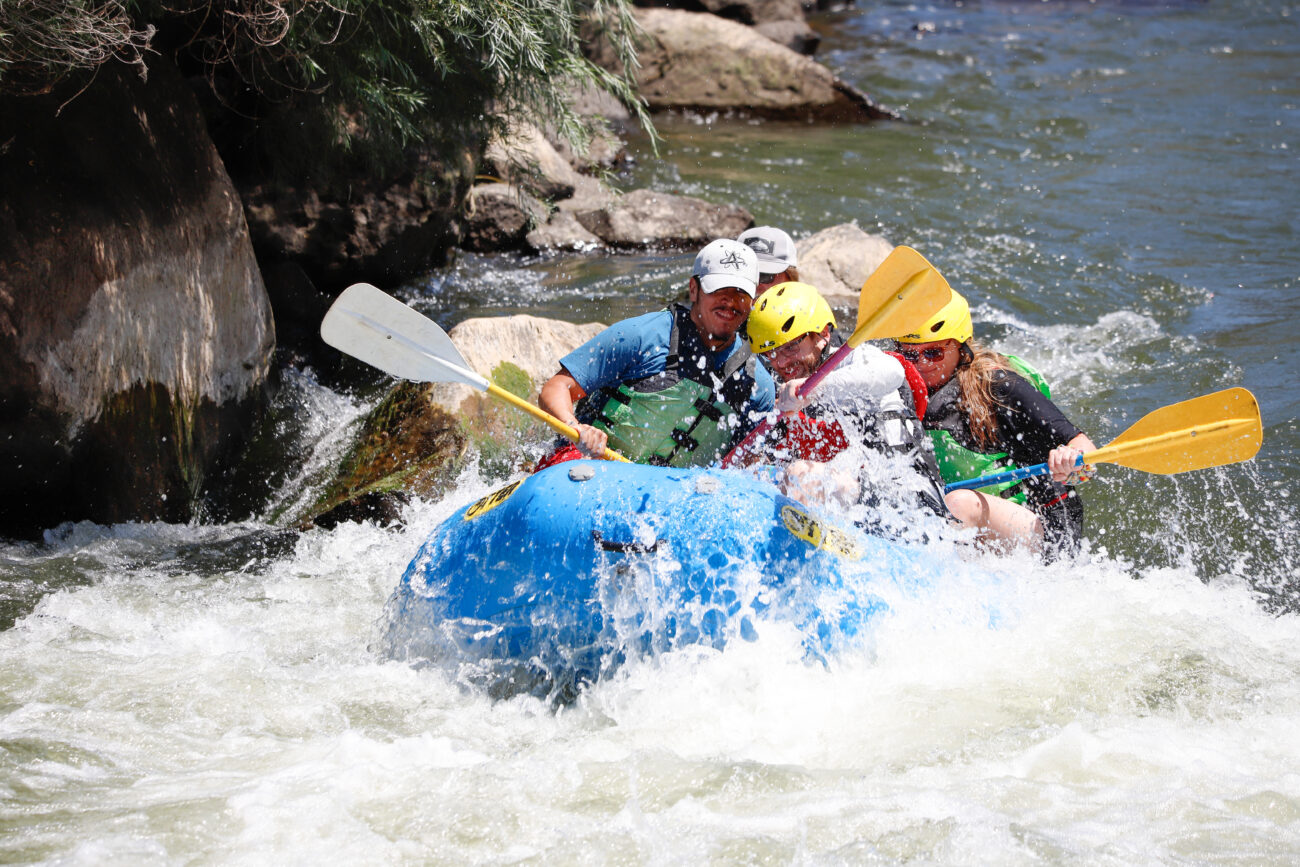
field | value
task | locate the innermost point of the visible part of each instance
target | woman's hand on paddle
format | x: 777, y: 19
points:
x: 788, y: 399
x: 592, y: 441
x: 1064, y: 461
x: 1066, y: 469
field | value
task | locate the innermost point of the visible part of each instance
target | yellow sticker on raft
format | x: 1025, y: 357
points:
x: 492, y: 500
x: 819, y: 534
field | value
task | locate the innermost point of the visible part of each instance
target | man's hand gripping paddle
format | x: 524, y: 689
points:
x: 898, y: 297
x: 1208, y: 431
x: 376, y: 328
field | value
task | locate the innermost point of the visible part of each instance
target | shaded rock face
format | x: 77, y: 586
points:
x: 135, y: 332
x: 377, y: 232
x: 498, y: 217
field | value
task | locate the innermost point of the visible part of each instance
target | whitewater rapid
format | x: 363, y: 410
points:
x: 171, y: 711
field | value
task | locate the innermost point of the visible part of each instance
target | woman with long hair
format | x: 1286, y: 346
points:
x: 988, y: 412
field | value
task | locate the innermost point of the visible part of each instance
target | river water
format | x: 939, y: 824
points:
x: 1114, y: 187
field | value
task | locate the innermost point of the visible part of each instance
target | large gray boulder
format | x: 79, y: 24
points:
x: 644, y: 218
x: 532, y: 344
x: 838, y: 260
x: 639, y: 219
x: 779, y: 20
x: 135, y: 332
x: 692, y: 60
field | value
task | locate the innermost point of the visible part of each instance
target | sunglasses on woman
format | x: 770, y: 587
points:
x: 934, y: 353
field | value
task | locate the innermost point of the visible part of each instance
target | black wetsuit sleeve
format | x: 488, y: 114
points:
x: 1031, y: 425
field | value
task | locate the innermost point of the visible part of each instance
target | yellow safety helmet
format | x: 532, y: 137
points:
x: 785, y: 312
x: 952, y: 321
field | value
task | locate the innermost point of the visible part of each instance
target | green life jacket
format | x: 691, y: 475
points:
x: 684, y: 416
x: 944, y: 422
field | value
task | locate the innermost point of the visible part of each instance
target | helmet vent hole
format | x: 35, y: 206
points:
x: 934, y: 329
x: 787, y: 325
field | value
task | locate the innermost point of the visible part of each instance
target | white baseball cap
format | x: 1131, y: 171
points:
x: 775, y: 249
x: 727, y: 264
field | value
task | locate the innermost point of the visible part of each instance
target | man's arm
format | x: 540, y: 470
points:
x: 558, y: 397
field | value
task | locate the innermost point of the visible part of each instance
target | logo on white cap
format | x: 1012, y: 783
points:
x: 727, y: 264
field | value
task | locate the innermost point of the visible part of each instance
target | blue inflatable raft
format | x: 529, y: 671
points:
x: 553, y: 580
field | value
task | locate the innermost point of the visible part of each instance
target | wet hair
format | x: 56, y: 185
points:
x: 974, y: 374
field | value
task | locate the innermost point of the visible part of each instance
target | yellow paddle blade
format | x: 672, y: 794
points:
x: 1209, y: 431
x: 899, y: 297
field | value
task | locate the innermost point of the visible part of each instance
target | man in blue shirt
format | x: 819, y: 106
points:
x: 676, y: 387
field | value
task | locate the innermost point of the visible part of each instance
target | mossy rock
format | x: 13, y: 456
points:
x: 409, y: 446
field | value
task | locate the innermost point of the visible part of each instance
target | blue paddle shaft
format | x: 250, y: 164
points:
x: 1004, y: 476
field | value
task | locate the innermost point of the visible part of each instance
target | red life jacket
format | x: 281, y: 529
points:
x: 809, y: 439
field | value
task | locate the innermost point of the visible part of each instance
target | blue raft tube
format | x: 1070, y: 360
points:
x: 553, y: 581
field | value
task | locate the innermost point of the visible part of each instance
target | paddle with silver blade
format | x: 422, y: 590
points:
x: 373, y: 326
x: 898, y: 297
x: 1207, y: 431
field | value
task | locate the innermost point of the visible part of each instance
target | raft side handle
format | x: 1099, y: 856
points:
x: 624, y: 547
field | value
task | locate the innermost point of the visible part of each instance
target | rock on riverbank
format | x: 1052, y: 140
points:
x: 135, y: 333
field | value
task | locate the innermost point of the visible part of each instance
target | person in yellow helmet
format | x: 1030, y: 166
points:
x: 987, y: 412
x: 860, y: 423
